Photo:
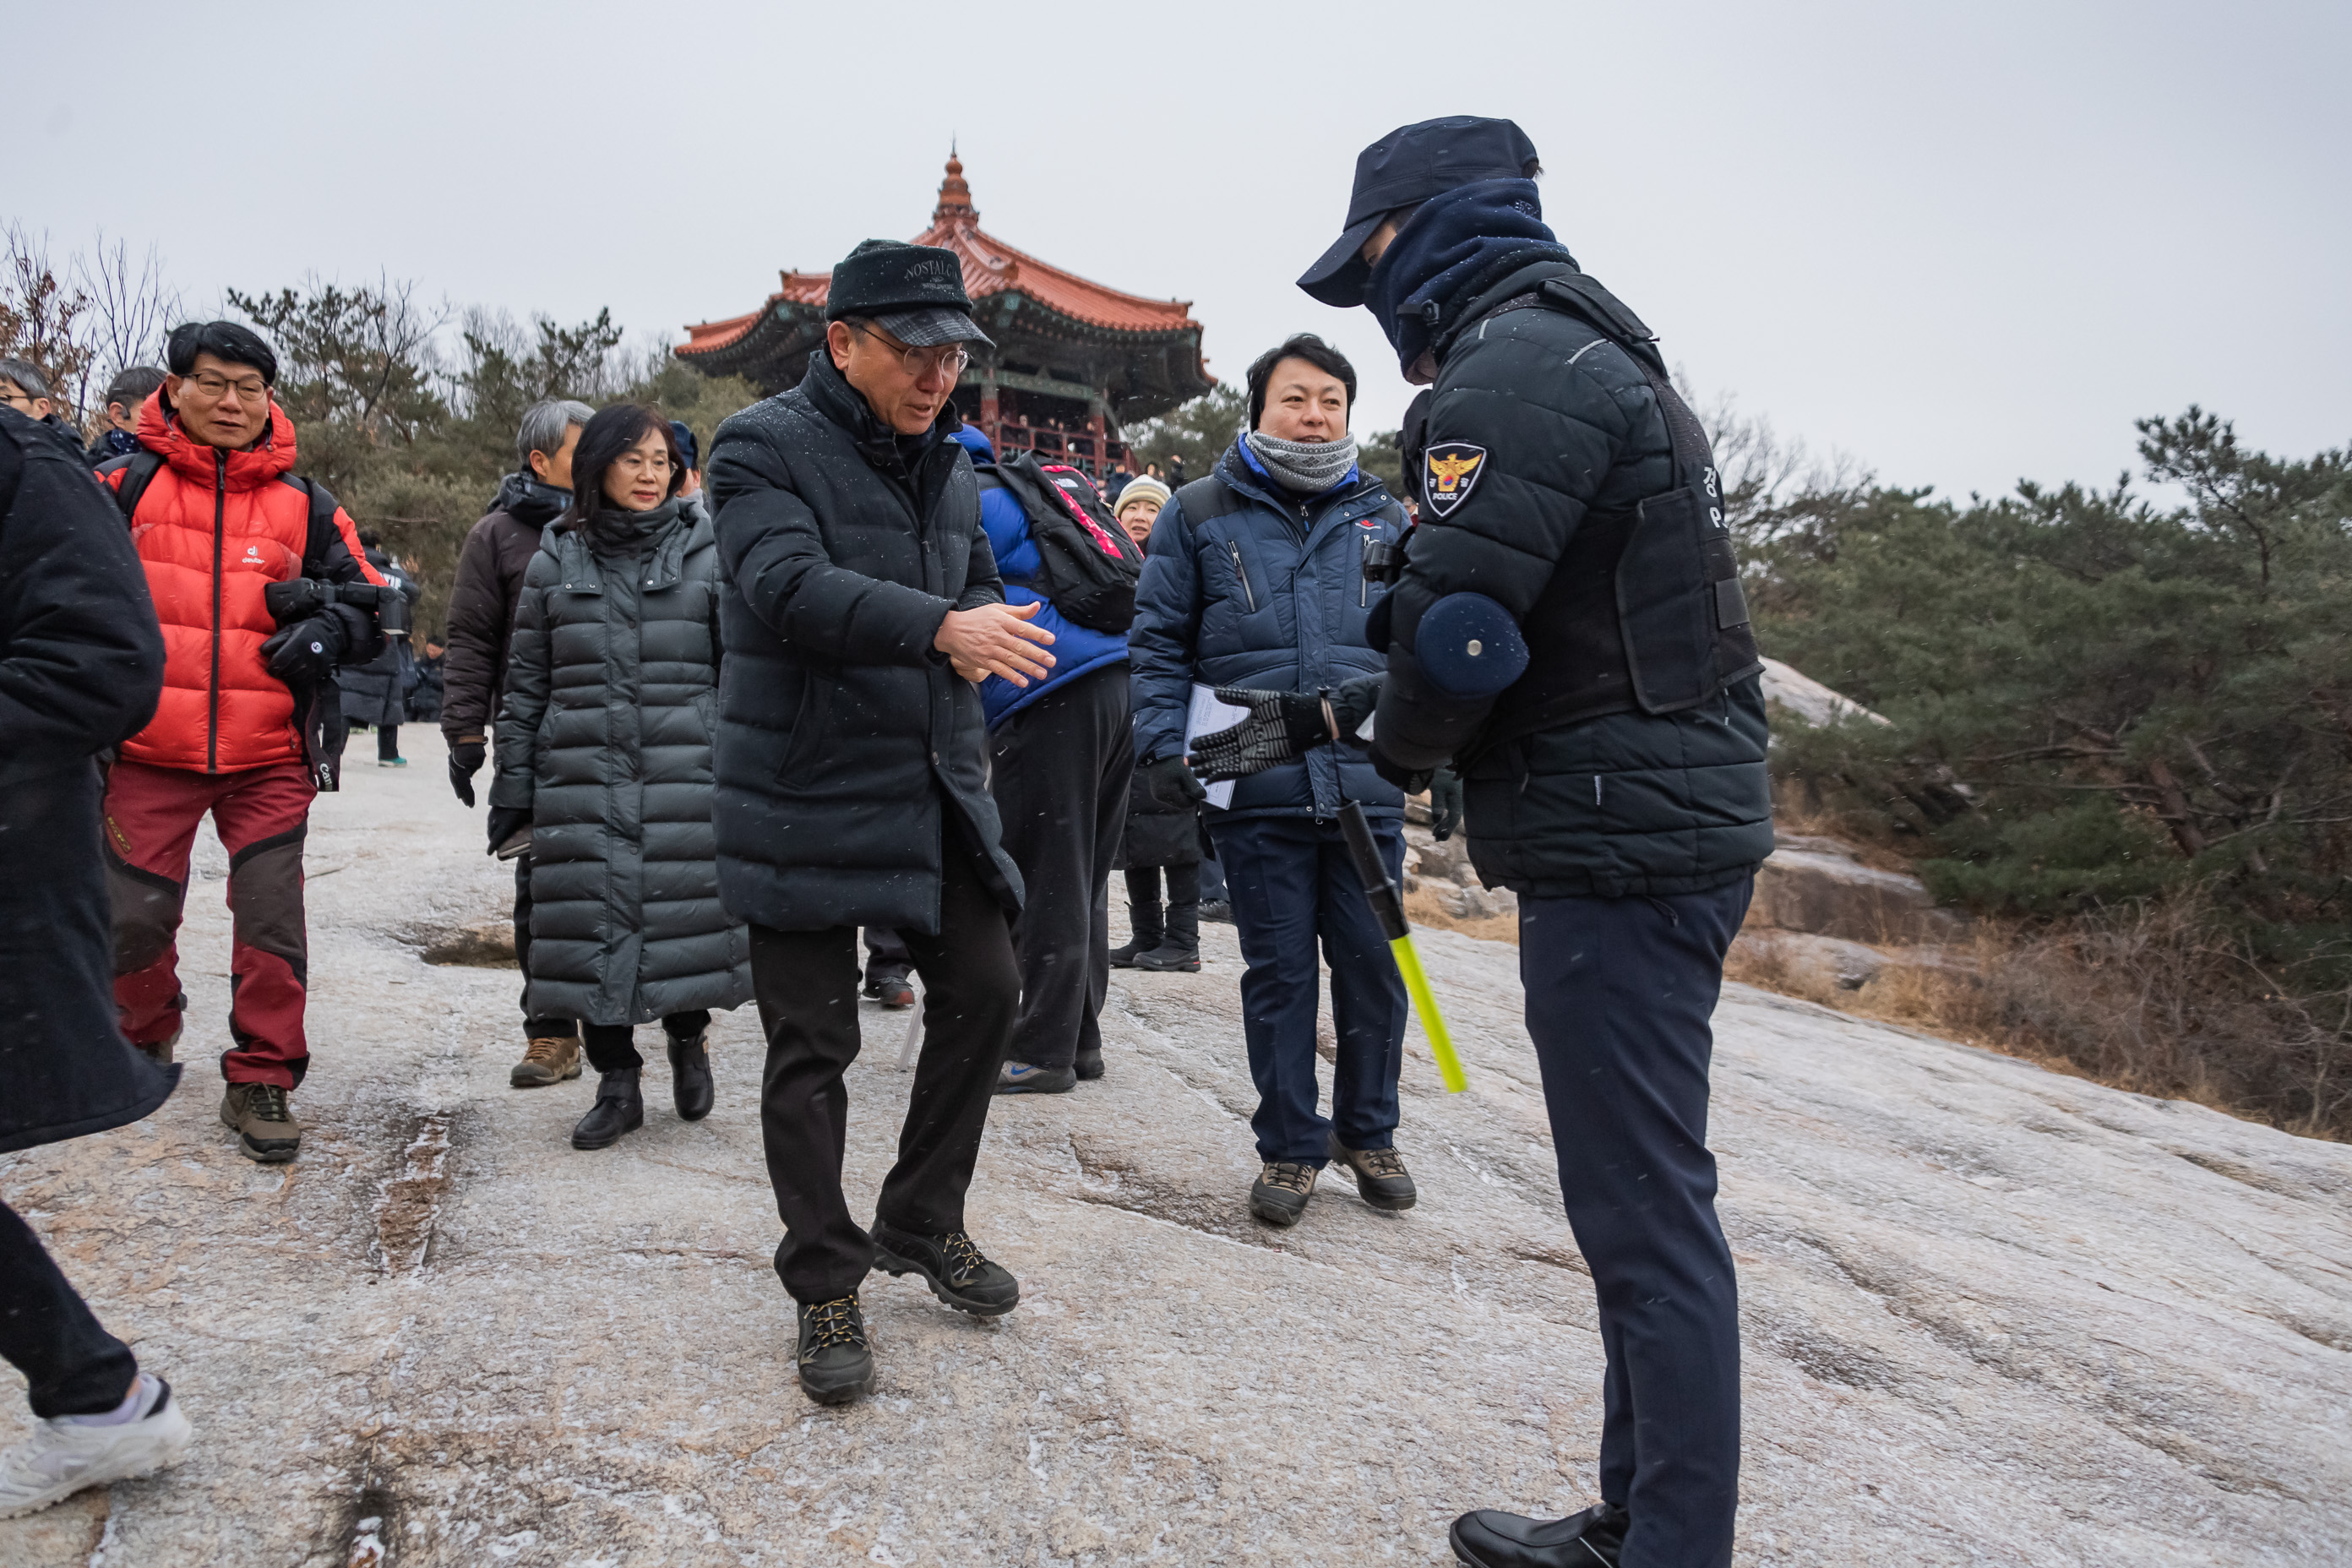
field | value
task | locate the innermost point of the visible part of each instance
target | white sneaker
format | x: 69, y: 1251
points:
x: 65, y: 1457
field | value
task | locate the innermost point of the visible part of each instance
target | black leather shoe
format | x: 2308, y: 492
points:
x: 689, y: 1076
x: 1489, y: 1538
x: 953, y: 1268
x: 836, y: 1363
x: 619, y: 1109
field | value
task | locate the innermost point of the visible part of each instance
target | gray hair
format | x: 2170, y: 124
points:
x: 26, y: 375
x: 543, y: 425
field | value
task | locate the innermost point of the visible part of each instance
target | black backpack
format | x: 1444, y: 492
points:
x: 1087, y: 565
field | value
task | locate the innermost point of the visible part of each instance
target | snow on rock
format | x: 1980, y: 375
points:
x: 1809, y: 699
x: 1991, y: 1314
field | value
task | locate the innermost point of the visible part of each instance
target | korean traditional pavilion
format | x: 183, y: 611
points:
x: 1073, y: 360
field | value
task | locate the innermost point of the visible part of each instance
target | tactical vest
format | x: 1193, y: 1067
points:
x: 1643, y: 611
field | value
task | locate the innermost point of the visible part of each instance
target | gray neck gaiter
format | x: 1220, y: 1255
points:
x: 1310, y: 467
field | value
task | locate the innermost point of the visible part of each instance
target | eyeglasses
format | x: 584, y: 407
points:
x: 16, y: 395
x: 251, y: 389
x: 921, y: 362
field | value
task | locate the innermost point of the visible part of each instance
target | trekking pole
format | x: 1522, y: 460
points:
x: 1388, y: 908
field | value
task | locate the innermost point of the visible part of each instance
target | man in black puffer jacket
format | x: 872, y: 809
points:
x: 861, y: 601
x: 1617, y: 786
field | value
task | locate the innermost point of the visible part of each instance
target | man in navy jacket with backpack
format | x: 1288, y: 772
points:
x: 1062, y: 751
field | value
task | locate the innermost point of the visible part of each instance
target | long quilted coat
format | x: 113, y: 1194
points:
x: 605, y: 733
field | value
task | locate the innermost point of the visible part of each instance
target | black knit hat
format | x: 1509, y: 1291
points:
x: 914, y: 293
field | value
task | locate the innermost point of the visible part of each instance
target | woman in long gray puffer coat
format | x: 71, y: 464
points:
x: 604, y: 751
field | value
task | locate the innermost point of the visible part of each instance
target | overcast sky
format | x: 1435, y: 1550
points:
x: 1962, y: 243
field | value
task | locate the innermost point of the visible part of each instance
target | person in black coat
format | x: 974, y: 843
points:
x: 81, y: 666
x: 1569, y: 631
x: 860, y: 604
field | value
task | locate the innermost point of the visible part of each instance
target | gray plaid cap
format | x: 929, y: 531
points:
x: 929, y: 328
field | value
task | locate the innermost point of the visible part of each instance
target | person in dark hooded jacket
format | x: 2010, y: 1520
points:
x: 482, y: 601
x: 605, y: 742
x: 376, y: 693
x: 1613, y: 770
x: 862, y: 604
x: 81, y: 666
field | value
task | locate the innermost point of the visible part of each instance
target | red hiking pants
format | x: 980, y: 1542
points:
x: 262, y: 814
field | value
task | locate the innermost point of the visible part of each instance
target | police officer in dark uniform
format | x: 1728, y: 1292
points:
x: 1568, y: 632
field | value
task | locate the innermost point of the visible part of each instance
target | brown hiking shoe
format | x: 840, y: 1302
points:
x: 265, y: 1124
x: 158, y: 1051
x: 1279, y: 1194
x: 1381, y: 1179
x: 549, y: 1058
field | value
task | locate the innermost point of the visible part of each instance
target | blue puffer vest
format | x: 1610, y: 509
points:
x: 1078, y: 650
x: 1272, y: 596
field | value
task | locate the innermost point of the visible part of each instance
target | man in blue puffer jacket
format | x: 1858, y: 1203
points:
x: 1060, y: 751
x: 1254, y: 579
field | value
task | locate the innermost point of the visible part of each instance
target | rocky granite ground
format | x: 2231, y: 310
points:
x: 1992, y: 1315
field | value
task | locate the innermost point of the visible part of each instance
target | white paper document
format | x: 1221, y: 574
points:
x: 1207, y: 716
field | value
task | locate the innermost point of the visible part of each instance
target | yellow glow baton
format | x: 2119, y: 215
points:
x: 1388, y: 908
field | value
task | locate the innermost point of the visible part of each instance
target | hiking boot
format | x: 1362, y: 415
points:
x: 893, y: 991
x: 158, y: 1051
x: 835, y: 1362
x: 1145, y: 932
x: 266, y: 1129
x: 1021, y: 1077
x: 1381, y: 1180
x: 953, y: 1266
x: 691, y: 1088
x: 1171, y: 960
x: 1089, y: 1066
x: 68, y: 1455
x: 1218, y: 909
x: 619, y: 1109
x: 1491, y: 1539
x: 549, y: 1058
x: 1279, y: 1194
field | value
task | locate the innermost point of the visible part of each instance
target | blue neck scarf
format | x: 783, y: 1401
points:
x: 1468, y: 238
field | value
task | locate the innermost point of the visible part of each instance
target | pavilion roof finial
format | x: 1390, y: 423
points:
x: 955, y: 196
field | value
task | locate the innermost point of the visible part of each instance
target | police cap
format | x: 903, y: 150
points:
x: 1408, y: 166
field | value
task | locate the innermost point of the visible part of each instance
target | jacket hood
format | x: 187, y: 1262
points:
x: 830, y: 392
x: 530, y: 500
x: 973, y: 439
x: 263, y: 463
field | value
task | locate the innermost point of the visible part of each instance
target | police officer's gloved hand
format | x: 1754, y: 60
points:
x: 1280, y: 727
x: 466, y: 759
x: 306, y: 652
x: 506, y: 821
x: 1167, y: 780
x: 1412, y: 780
x: 1444, y: 804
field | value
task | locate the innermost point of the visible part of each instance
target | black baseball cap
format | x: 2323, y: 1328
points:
x: 1411, y: 164
x: 914, y: 293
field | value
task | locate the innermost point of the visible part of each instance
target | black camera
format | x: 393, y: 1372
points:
x: 305, y: 598
x: 1384, y: 559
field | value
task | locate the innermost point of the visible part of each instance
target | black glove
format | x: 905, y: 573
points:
x: 466, y: 759
x: 506, y: 821
x: 1444, y: 804
x: 306, y: 652
x: 296, y: 599
x: 1171, y: 784
x: 1412, y: 780
x: 1281, y: 726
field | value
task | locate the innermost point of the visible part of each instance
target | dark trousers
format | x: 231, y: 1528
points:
x: 1292, y: 883
x: 806, y: 984
x: 387, y: 743
x: 613, y: 1048
x: 1620, y: 993
x: 1143, y: 888
x: 887, y: 955
x: 1060, y: 773
x: 533, y: 1029
x: 47, y: 1332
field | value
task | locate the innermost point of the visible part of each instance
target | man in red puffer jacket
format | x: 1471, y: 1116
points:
x: 216, y: 520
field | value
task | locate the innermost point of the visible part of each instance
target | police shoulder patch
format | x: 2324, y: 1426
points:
x: 1450, y: 470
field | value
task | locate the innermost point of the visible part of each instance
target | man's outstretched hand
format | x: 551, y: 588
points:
x: 995, y: 639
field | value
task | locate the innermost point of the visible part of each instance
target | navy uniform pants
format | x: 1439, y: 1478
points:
x: 1619, y: 994
x: 1293, y: 886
